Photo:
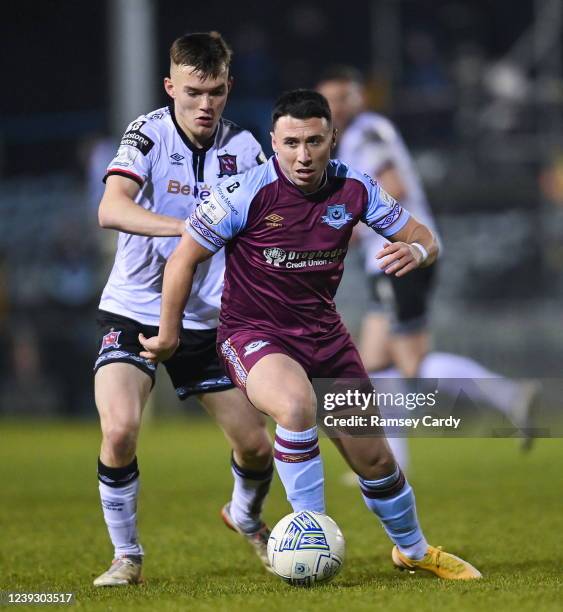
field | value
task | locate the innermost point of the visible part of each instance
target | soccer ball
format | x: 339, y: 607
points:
x: 305, y: 548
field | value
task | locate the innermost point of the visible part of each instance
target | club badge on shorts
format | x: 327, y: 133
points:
x: 110, y: 340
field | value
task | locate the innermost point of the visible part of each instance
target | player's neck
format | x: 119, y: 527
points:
x: 317, y: 187
x: 313, y: 188
x: 198, y: 142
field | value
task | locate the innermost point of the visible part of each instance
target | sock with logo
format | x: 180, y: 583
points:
x: 119, y: 489
x: 300, y: 468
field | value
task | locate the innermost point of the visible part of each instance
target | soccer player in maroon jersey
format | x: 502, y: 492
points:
x: 286, y: 227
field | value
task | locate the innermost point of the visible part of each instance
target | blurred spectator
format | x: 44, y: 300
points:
x: 426, y: 91
x: 50, y: 273
x: 255, y: 75
x: 425, y: 73
x: 551, y: 180
x: 254, y: 69
x: 70, y: 298
x: 551, y: 186
x: 26, y: 390
x: 95, y: 153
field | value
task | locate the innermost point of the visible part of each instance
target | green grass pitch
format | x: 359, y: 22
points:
x: 481, y: 499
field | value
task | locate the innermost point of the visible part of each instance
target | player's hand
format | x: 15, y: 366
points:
x: 156, y: 349
x: 399, y: 258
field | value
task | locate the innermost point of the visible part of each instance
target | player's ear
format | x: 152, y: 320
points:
x: 334, y: 134
x: 230, y: 83
x: 169, y: 86
x: 274, y: 144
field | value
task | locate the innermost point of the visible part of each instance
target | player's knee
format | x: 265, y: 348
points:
x: 121, y: 439
x: 255, y: 443
x: 409, y: 369
x: 298, y: 411
x: 377, y: 466
x: 257, y: 454
x: 373, y: 364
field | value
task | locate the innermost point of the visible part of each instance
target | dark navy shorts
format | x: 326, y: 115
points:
x: 405, y: 300
x: 193, y: 369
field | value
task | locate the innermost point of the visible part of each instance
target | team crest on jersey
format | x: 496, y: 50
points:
x: 110, y: 340
x: 336, y: 215
x: 227, y: 165
x: 252, y: 347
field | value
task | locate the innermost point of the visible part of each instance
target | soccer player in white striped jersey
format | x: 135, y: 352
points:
x: 395, y: 338
x: 166, y: 164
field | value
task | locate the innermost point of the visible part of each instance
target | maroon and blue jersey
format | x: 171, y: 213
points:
x: 285, y: 249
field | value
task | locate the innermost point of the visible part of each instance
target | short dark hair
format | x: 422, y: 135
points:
x: 207, y: 52
x: 301, y: 104
x: 341, y: 72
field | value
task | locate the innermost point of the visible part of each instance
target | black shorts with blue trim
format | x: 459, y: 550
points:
x: 405, y: 299
x: 193, y: 369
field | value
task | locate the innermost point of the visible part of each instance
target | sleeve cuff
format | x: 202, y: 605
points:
x: 203, y: 236
x: 126, y: 174
x: 395, y: 226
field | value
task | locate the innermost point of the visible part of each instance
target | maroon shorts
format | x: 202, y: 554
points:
x: 329, y: 355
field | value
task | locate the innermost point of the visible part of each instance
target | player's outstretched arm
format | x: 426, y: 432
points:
x: 413, y: 246
x: 176, y: 288
x: 118, y: 210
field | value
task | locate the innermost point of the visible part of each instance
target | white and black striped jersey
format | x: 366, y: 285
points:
x: 174, y: 177
x: 371, y: 144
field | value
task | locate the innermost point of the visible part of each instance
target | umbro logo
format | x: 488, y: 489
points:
x: 252, y: 347
x: 177, y: 159
x: 274, y: 220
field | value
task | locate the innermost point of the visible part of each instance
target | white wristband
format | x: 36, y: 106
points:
x: 422, y: 250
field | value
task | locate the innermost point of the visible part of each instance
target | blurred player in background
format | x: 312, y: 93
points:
x: 286, y: 227
x: 169, y: 160
x: 395, y: 337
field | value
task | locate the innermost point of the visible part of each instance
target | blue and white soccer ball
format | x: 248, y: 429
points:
x: 305, y: 548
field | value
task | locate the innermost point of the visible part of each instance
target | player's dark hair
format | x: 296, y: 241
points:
x: 207, y: 52
x: 341, y: 72
x: 301, y: 104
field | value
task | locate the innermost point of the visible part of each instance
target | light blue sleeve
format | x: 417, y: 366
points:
x: 223, y: 215
x: 383, y: 213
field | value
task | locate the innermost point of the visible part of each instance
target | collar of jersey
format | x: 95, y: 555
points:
x: 292, y: 185
x: 191, y: 146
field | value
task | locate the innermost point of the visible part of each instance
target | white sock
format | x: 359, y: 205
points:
x: 119, y: 490
x: 249, y: 492
x: 300, y: 468
x: 120, y: 514
x: 481, y: 385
